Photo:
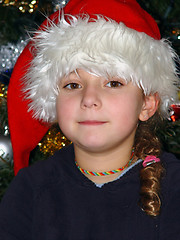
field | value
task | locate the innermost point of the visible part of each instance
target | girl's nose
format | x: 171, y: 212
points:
x: 91, y: 98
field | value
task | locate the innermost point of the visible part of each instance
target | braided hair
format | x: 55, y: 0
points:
x: 147, y: 143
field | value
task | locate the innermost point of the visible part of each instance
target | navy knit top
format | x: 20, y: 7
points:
x: 53, y: 200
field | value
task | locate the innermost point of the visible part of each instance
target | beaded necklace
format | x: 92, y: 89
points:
x: 105, y: 173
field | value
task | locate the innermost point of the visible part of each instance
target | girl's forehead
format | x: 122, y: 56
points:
x: 85, y: 75
x: 81, y: 73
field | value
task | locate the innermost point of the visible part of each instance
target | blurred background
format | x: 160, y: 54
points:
x: 18, y: 17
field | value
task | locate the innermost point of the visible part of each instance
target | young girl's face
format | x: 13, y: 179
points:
x: 98, y: 114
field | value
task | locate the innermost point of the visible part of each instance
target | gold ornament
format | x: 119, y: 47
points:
x: 53, y: 141
x: 3, y: 94
x: 3, y: 91
x: 23, y: 6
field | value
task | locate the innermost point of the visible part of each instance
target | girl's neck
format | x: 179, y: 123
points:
x: 102, y: 162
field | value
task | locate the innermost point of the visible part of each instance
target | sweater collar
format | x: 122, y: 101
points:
x: 71, y: 170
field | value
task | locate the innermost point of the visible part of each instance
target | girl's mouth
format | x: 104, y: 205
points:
x: 92, y: 122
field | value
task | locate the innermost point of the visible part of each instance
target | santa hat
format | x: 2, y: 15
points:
x: 108, y: 38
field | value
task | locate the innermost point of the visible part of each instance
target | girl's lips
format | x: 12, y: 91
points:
x: 92, y: 122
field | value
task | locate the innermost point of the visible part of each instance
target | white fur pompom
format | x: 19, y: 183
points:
x: 100, y: 46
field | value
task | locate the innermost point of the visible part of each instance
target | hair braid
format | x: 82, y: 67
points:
x: 147, y: 143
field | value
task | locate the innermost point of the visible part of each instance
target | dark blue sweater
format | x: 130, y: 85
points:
x: 52, y: 200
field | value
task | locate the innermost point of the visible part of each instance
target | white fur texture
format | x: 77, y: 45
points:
x: 100, y: 46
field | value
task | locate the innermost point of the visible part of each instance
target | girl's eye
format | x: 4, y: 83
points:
x: 114, y: 84
x: 72, y: 86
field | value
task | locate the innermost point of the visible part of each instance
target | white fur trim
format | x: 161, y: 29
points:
x: 103, y: 47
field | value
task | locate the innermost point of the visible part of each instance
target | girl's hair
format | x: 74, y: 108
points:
x: 147, y: 143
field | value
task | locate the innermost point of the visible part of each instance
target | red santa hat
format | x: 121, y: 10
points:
x: 105, y: 37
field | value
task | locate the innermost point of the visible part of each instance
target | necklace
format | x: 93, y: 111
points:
x: 105, y: 173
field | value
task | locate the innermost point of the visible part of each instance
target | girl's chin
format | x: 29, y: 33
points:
x: 93, y: 147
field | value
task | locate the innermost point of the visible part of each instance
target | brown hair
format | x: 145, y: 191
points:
x: 147, y: 143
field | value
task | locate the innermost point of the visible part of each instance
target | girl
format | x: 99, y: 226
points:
x: 100, y: 69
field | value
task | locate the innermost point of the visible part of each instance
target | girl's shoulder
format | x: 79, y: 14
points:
x: 170, y: 162
x: 171, y: 178
x: 170, y: 196
x: 169, y: 157
x: 49, y: 171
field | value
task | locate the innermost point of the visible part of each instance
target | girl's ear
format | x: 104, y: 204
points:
x: 149, y: 107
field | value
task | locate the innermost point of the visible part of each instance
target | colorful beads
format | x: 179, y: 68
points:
x: 105, y: 173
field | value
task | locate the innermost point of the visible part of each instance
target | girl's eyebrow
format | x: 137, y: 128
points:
x: 73, y: 73
x: 76, y: 73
